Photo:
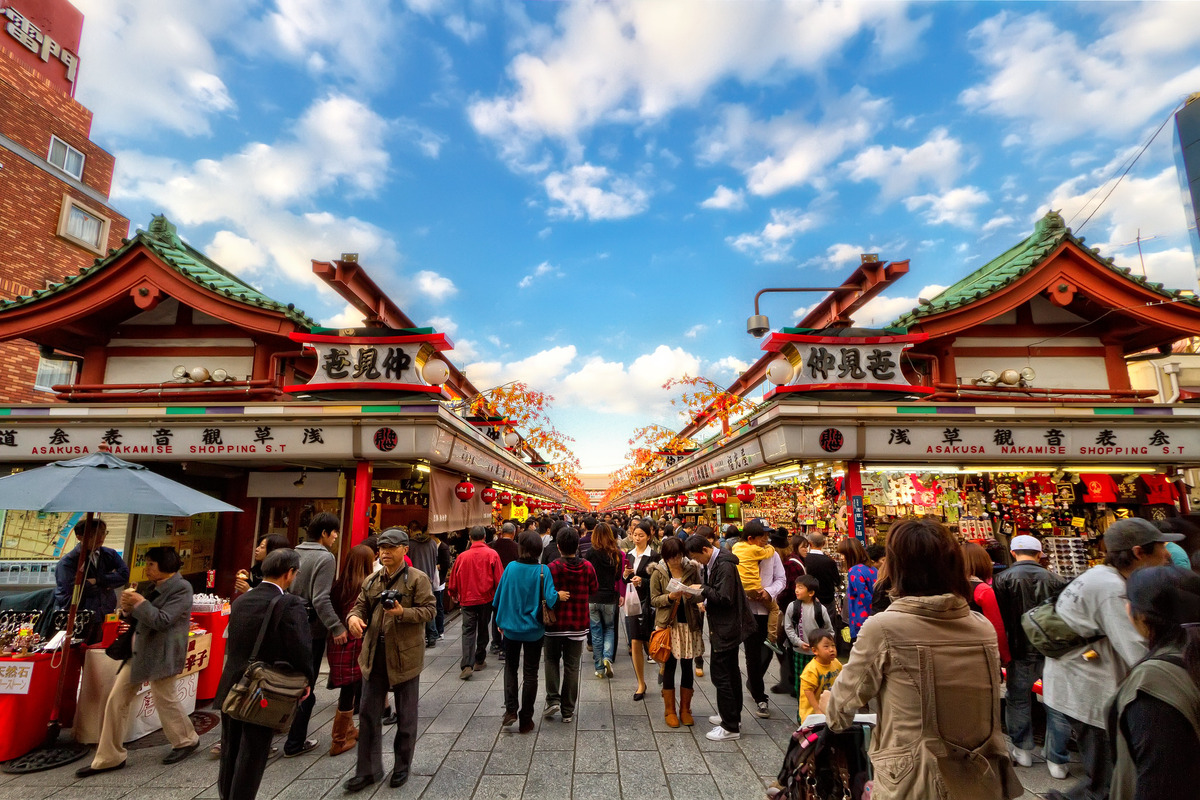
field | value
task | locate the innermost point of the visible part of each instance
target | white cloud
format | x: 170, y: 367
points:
x: 726, y: 199
x: 348, y: 317
x: 997, y: 222
x: 884, y: 308
x: 463, y: 28
x: 729, y: 365
x: 837, y: 256
x: 774, y: 242
x: 938, y: 162
x: 612, y: 388
x: 544, y: 268
x: 955, y: 207
x: 236, y: 253
x: 438, y: 287
x: 631, y: 62
x: 695, y: 330
x: 1046, y: 81
x: 152, y: 66
x: 581, y: 192
x: 347, y: 40
x: 444, y: 325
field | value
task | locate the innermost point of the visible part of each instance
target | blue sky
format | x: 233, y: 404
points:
x: 586, y: 196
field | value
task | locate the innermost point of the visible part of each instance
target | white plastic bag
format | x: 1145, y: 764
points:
x: 633, y: 603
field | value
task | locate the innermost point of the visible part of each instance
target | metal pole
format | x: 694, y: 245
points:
x: 824, y: 289
x: 85, y: 554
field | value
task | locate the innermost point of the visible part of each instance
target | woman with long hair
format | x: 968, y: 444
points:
x: 679, y: 612
x: 608, y: 560
x: 638, y: 626
x: 935, y: 668
x: 1154, y: 719
x: 860, y: 583
x: 983, y: 597
x: 246, y: 581
x: 344, y: 674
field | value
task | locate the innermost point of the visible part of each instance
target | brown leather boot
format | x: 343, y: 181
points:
x: 669, y: 713
x: 344, y: 735
x: 685, y: 707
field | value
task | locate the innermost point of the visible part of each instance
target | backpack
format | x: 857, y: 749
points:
x: 1049, y: 633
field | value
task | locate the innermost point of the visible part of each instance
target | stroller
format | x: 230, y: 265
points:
x: 823, y: 765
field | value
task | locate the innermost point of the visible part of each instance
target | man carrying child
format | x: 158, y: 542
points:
x: 762, y: 577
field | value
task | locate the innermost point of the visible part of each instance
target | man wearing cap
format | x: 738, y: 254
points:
x: 1082, y: 682
x: 393, y: 654
x: 1019, y: 588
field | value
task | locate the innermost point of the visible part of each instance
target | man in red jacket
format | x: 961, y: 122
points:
x: 472, y: 584
x: 571, y: 627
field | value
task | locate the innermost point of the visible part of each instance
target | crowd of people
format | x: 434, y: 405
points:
x: 928, y: 633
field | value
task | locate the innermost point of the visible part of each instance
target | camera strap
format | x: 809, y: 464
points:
x: 390, y: 584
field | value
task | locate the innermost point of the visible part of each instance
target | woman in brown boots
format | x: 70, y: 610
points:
x: 680, y: 612
x: 343, y: 659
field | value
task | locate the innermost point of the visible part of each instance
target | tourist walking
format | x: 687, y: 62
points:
x: 1018, y: 589
x: 525, y: 586
x: 860, y: 583
x: 983, y: 597
x: 472, y: 584
x: 344, y: 673
x: 762, y: 576
x: 729, y: 624
x: 162, y: 617
x: 245, y: 747
x: 608, y: 560
x: 935, y: 669
x: 505, y: 545
x: 575, y: 580
x: 392, y: 628
x: 430, y: 555
x: 679, y: 612
x: 638, y: 625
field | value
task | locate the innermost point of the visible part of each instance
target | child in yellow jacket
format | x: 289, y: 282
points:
x: 750, y: 557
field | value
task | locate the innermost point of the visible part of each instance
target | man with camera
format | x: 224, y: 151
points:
x: 389, y: 616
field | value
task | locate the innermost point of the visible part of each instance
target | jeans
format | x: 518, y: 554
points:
x: 436, y: 626
x: 475, y: 634
x: 565, y: 652
x: 1022, y: 674
x: 513, y: 650
x: 758, y: 658
x: 299, y: 729
x: 603, y: 618
x: 1097, y: 766
x: 726, y: 676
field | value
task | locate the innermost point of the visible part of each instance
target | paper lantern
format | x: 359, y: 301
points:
x: 720, y: 496
x: 532, y: 504
x: 504, y: 497
x: 745, y: 493
x: 464, y: 490
x: 518, y: 499
x: 488, y: 495
x: 681, y: 500
x: 701, y: 498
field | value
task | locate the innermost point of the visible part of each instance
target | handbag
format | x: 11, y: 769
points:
x: 548, y: 615
x: 659, y: 646
x: 266, y: 694
x: 121, y: 648
x: 633, y: 603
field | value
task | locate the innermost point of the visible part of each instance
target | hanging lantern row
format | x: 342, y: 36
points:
x: 719, y: 496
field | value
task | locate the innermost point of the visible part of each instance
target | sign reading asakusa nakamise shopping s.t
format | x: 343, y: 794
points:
x: 370, y: 360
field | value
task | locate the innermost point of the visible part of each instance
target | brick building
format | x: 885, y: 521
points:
x: 55, y: 215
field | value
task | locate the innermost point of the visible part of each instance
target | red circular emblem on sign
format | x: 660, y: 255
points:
x: 385, y: 439
x: 832, y: 440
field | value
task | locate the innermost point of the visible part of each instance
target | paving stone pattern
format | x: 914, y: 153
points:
x: 615, y: 748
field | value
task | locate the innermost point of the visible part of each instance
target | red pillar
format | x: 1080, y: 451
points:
x: 854, y: 498
x: 359, y: 528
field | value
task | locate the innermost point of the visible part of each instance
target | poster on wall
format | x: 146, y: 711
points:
x: 194, y: 538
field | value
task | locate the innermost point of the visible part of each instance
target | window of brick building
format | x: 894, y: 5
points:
x: 82, y: 225
x: 54, y: 372
x: 66, y: 158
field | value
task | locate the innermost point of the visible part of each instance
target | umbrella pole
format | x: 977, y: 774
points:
x: 85, y: 553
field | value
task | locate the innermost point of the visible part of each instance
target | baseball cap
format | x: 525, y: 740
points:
x: 393, y: 537
x: 754, y: 528
x: 1025, y: 542
x: 1170, y: 593
x: 1126, y: 534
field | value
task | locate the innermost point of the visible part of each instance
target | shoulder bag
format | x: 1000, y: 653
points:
x: 1048, y: 632
x: 659, y: 646
x: 266, y: 694
x: 121, y: 648
x: 548, y: 615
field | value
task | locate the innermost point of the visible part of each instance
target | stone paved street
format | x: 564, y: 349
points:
x: 615, y: 748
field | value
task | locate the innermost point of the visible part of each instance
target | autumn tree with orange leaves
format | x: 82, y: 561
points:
x: 705, y: 401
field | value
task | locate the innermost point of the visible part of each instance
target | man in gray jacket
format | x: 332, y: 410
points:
x: 318, y: 567
x: 1081, y: 683
x: 162, y: 620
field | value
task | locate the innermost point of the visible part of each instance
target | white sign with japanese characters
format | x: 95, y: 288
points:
x: 359, y: 363
x: 15, y: 677
x: 849, y: 363
x: 1041, y: 443
x: 164, y: 441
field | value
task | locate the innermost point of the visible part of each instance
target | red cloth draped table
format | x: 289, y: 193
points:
x: 27, y: 687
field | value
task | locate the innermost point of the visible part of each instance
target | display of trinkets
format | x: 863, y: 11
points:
x: 83, y: 620
x: 17, y: 636
x: 1067, y: 554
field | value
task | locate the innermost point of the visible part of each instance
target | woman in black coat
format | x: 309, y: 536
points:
x: 639, y: 626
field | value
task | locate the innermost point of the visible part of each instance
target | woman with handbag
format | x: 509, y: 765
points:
x: 524, y: 596
x: 638, y: 612
x: 677, y: 614
x: 344, y: 673
x: 607, y: 560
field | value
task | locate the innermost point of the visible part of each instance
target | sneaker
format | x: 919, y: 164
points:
x: 1058, y: 771
x: 389, y: 719
x: 719, y: 734
x: 600, y: 674
x: 466, y: 673
x: 1022, y: 757
x: 715, y: 719
x: 309, y: 745
x: 608, y: 670
x: 568, y: 717
x: 500, y: 656
x: 551, y: 710
x: 763, y: 710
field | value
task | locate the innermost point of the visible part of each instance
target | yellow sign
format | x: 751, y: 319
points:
x: 1077, y: 522
x: 1047, y: 525
x: 821, y: 525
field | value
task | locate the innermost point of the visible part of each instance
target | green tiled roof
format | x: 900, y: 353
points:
x: 162, y: 239
x: 1004, y: 269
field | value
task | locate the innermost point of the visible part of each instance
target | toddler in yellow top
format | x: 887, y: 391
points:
x: 750, y: 557
x: 820, y: 673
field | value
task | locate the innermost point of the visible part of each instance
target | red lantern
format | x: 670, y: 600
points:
x: 681, y: 500
x: 488, y: 495
x: 464, y: 490
x: 518, y: 499
x: 701, y: 499
x: 720, y: 495
x: 745, y: 493
x: 532, y: 505
x: 504, y: 497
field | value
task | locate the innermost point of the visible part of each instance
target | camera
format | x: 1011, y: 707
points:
x: 389, y: 599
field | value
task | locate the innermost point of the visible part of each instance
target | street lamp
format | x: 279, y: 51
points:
x: 758, y: 325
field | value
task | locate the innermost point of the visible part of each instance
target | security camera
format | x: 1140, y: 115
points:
x: 757, y: 326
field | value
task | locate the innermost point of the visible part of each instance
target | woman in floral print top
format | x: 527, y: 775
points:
x: 860, y: 582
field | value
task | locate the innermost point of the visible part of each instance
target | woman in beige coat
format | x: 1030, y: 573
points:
x: 935, y: 667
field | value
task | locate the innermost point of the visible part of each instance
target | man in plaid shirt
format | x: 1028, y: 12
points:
x: 572, y: 625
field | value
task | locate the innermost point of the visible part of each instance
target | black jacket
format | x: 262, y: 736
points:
x: 288, y: 639
x: 643, y: 572
x: 1018, y: 589
x: 825, y: 570
x: 110, y: 571
x: 730, y: 620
